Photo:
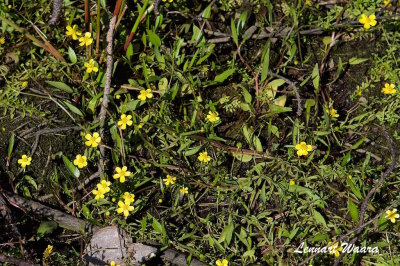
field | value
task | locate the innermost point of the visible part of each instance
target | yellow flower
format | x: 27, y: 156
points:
x: 224, y: 262
x: 113, y: 264
x: 121, y: 173
x: 212, y: 117
x: 140, y: 125
x: 92, y: 140
x: 128, y: 197
x: 388, y: 89
x: 169, y: 180
x: 291, y: 182
x: 349, y: 177
x: 104, y: 186
x: 308, y: 2
x: 47, y: 252
x: 184, y: 190
x: 333, y: 112
x: 145, y: 94
x: 91, y: 66
x: 203, y: 157
x: 73, y: 31
x: 367, y: 21
x: 303, y: 148
x: 168, y: 1
x: 125, y: 120
x: 387, y: 3
x: 392, y: 215
x: 98, y: 193
x: 2, y: 40
x: 125, y: 207
x: 24, y: 84
x: 80, y: 161
x: 24, y: 161
x: 334, y: 249
x: 86, y: 40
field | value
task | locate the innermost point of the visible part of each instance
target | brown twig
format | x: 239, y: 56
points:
x: 107, y: 86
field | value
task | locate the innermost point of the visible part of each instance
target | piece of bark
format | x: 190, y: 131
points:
x: 55, y: 15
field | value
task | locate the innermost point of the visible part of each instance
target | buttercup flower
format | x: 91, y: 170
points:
x: 121, y: 173
x: 91, y: 66
x: 124, y: 207
x: 47, y: 252
x: 223, y: 262
x: 92, y: 140
x: 144, y: 94
x: 203, y: 157
x: 98, y: 193
x: 291, y: 182
x: 303, y: 148
x: 169, y: 180
x: 212, y: 117
x: 387, y: 3
x: 333, y: 113
x: 86, y: 40
x: 73, y: 32
x: 80, y: 161
x: 125, y: 120
x: 24, y: 84
x: 367, y: 21
x: 24, y: 161
x: 170, y: 1
x: 392, y: 215
x: 2, y: 40
x: 335, y: 249
x: 184, y: 190
x: 113, y: 264
x: 104, y: 186
x: 388, y: 89
x: 128, y: 197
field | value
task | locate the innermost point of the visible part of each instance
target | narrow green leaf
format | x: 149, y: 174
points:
x: 11, y: 144
x: 61, y: 86
x: 234, y: 32
x: 353, y: 211
x: 72, y: 55
x: 70, y: 167
x: 153, y: 38
x: 224, y: 75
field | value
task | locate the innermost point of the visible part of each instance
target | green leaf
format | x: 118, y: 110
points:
x: 73, y: 108
x: 234, y: 32
x: 226, y: 234
x: 153, y: 38
x: 72, y: 55
x: 319, y: 218
x: 265, y: 62
x: 70, y: 167
x: 257, y: 144
x: 192, y: 151
x: 224, y: 75
x: 129, y: 51
x: 245, y: 158
x: 356, y: 190
x: 315, y: 78
x: 207, y: 12
x: 61, y: 86
x: 353, y: 211
x: 11, y: 144
x: 246, y: 95
x: 163, y: 85
x: 356, y: 61
x: 45, y: 228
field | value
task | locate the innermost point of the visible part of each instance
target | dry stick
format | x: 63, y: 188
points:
x: 87, y: 15
x: 55, y: 15
x: 372, y: 191
x: 107, y: 86
x: 293, y: 85
x: 48, y: 131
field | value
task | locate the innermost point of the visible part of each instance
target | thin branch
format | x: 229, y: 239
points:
x: 55, y: 15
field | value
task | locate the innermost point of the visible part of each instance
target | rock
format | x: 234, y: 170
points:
x: 108, y: 244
